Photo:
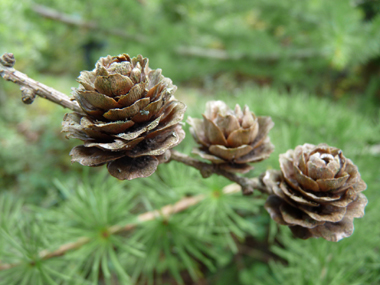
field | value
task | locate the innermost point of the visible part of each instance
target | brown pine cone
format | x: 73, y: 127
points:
x: 317, y: 194
x: 132, y: 117
x: 231, y: 138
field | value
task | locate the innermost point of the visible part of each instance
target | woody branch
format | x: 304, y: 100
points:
x: 30, y: 88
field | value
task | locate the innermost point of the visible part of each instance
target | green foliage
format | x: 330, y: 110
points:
x: 222, y: 214
x: 173, y: 245
x: 22, y: 237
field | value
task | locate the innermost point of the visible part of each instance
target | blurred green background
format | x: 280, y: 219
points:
x: 314, y: 66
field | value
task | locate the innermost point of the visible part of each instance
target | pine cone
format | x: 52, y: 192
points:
x: 132, y: 118
x: 230, y: 138
x: 317, y: 194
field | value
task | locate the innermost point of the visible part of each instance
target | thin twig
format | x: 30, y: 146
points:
x: 165, y: 211
x: 30, y: 87
x: 247, y: 184
x: 55, y: 15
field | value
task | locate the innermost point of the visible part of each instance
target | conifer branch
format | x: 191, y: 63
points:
x: 165, y: 212
x: 30, y: 88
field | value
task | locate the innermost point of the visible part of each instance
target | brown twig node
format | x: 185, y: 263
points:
x: 27, y: 95
x: 8, y: 60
